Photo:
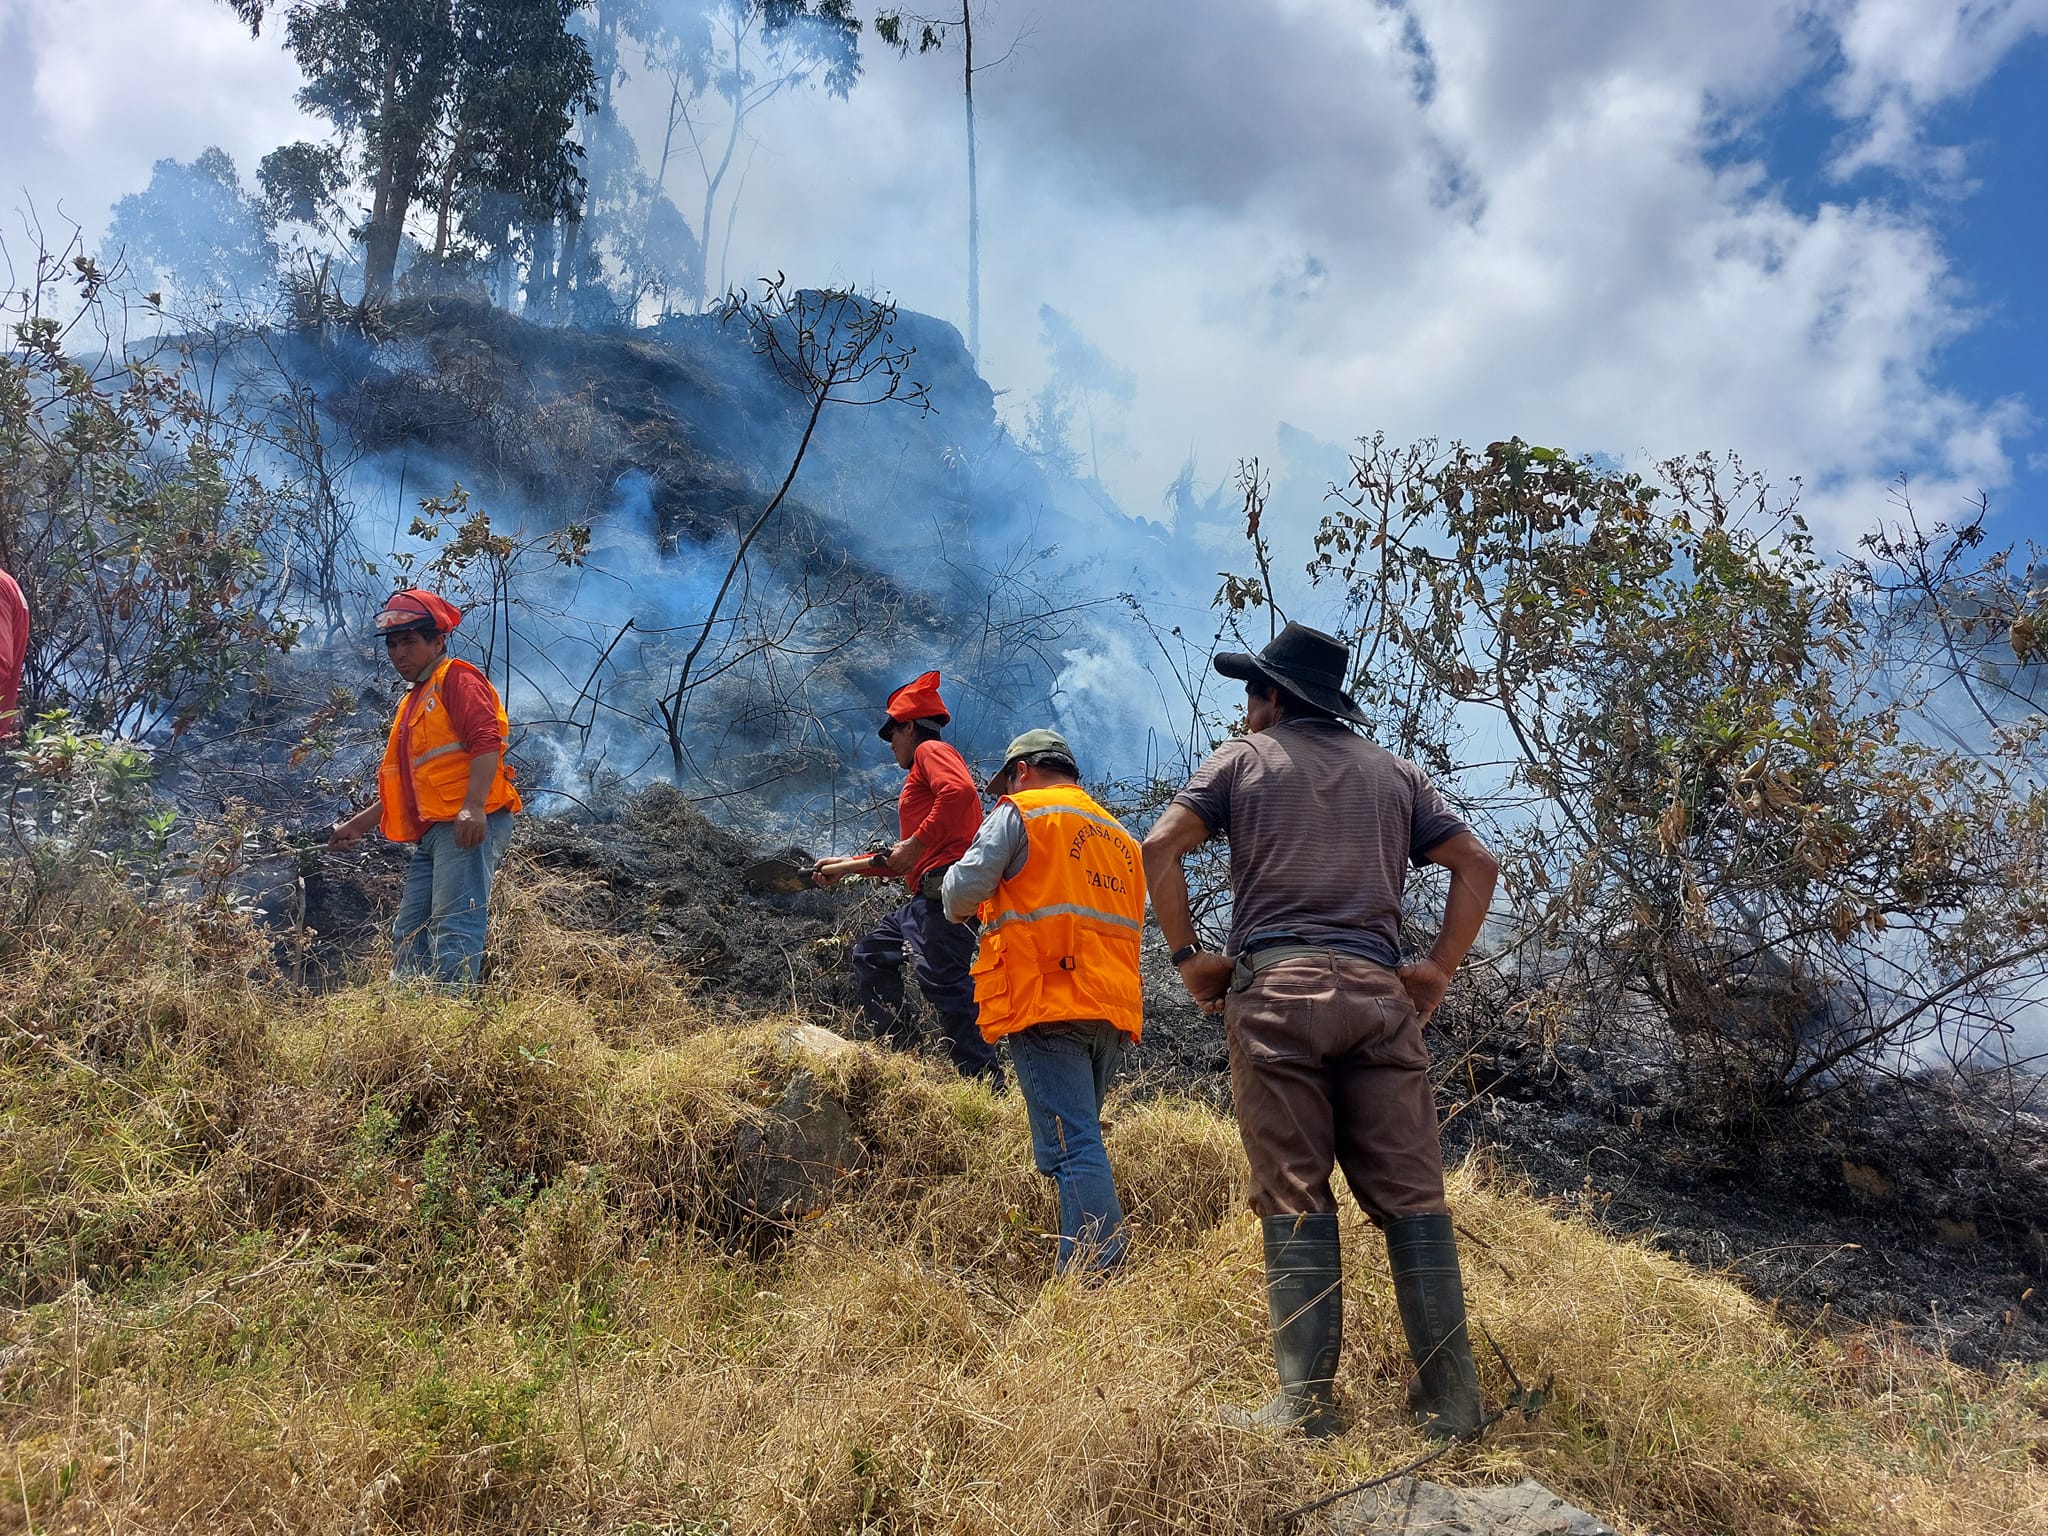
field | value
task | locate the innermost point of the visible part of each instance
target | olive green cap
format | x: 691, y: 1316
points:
x: 1035, y: 745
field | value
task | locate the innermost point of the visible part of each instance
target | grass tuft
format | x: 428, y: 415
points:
x: 390, y: 1260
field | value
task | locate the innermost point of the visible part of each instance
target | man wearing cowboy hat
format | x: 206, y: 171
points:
x: 444, y: 787
x: 937, y: 814
x: 1060, y: 890
x: 1327, y: 1064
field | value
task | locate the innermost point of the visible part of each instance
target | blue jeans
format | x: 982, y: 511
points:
x: 1063, y: 1071
x: 439, y: 931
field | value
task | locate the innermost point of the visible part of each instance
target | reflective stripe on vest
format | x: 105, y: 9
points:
x: 437, y: 778
x: 1100, y: 818
x: 1063, y: 909
x: 1059, y: 940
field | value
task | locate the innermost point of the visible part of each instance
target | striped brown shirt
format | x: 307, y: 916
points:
x: 1322, y: 826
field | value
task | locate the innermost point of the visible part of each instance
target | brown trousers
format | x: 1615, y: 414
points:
x: 1327, y: 1068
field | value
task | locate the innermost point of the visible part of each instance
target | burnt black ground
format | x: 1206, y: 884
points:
x: 1919, y: 1205
x: 1915, y: 1203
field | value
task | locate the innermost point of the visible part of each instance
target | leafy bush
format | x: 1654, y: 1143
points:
x: 132, y: 514
x: 1712, y: 793
x: 77, y: 808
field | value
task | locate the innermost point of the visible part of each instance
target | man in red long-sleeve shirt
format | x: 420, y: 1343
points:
x: 937, y: 814
x: 13, y: 652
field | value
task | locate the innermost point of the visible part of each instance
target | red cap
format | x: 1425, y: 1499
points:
x: 417, y: 609
x: 917, y: 699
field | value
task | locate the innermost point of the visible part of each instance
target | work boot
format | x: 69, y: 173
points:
x: 1423, y: 1254
x: 1305, y: 1297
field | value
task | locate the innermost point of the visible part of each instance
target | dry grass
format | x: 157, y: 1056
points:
x: 381, y: 1262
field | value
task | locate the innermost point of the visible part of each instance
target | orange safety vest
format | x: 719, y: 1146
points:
x: 439, y: 769
x: 1060, y: 941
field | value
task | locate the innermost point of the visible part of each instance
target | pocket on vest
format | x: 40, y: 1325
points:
x: 1106, y: 969
x: 987, y: 970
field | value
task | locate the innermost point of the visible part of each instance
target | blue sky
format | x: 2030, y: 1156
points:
x: 1998, y: 235
x: 1807, y: 231
x: 1992, y: 214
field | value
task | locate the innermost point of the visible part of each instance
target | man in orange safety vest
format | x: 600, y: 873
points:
x: 1060, y: 889
x: 445, y: 788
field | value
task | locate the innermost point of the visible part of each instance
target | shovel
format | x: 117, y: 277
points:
x: 793, y: 870
x: 781, y: 874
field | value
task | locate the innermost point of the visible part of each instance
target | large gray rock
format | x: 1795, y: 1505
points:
x: 1412, y: 1507
x: 792, y: 1163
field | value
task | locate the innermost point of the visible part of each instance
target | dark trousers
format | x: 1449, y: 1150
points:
x: 943, y: 952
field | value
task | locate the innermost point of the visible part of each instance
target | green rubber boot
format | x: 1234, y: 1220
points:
x: 1422, y: 1251
x: 1305, y: 1297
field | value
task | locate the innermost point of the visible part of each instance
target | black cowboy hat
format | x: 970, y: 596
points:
x: 1306, y: 663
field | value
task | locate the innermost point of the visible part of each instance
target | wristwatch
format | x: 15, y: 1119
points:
x: 1186, y: 953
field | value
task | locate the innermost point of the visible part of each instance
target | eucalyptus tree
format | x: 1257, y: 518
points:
x: 629, y: 244
x: 723, y: 62
x: 466, y: 105
x: 525, y: 77
x: 195, y: 232
x: 896, y: 28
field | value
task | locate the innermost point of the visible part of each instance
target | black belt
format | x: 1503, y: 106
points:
x: 929, y: 882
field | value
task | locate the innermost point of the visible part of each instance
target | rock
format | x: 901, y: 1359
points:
x: 817, y: 1042
x: 1416, y: 1508
x: 792, y: 1162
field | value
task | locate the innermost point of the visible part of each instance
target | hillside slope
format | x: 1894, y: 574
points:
x: 916, y: 533
x: 376, y: 1262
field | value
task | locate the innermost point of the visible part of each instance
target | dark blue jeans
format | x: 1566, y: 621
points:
x: 1063, y: 1071
x: 943, y: 952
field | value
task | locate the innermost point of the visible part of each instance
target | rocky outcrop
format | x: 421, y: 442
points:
x: 793, y: 1162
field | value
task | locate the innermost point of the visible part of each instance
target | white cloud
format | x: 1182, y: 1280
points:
x: 1904, y: 57
x: 1929, y: 50
x: 1462, y: 218
x: 1599, y: 283
x: 102, y: 89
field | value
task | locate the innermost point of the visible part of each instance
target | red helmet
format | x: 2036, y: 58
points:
x: 416, y: 609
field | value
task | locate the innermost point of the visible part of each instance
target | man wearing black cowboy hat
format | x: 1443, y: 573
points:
x: 1327, y: 1064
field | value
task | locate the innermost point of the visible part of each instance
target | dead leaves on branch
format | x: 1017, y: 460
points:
x: 1712, y: 748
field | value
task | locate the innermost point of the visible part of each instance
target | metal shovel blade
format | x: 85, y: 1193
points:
x: 781, y: 874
